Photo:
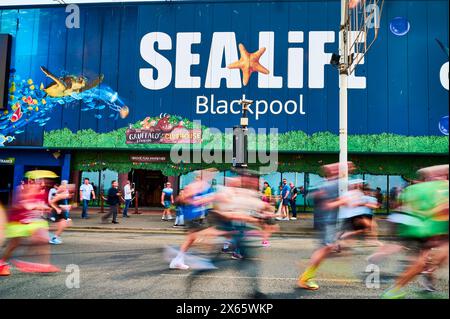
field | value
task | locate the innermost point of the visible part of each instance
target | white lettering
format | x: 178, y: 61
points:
x: 222, y: 43
x: 295, y: 61
x: 318, y: 58
x: 185, y: 59
x: 266, y: 81
x: 159, y: 62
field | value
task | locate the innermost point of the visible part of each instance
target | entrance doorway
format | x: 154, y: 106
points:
x: 6, y: 183
x: 149, y: 185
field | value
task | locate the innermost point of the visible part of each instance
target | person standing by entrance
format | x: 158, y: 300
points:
x: 167, y: 201
x: 113, y: 201
x: 293, y: 199
x: 127, y: 195
x: 86, y: 191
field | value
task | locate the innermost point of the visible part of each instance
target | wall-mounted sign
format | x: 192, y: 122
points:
x: 7, y: 161
x: 163, y: 131
x: 148, y: 136
x: 147, y: 158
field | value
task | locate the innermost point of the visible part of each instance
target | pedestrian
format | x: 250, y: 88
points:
x: 285, y: 199
x: 94, y: 201
x: 113, y: 201
x: 180, y: 202
x: 379, y: 196
x: 24, y: 228
x: 423, y: 226
x: 86, y: 192
x: 167, y: 201
x: 51, y: 194
x: 357, y: 212
x: 292, y: 201
x: 328, y: 202
x: 267, y: 193
x: 64, y: 188
x: 127, y: 193
x: 60, y: 208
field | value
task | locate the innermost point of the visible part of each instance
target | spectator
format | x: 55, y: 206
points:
x: 393, y: 197
x: 86, y: 191
x: 113, y: 201
x: 127, y: 193
x: 179, y: 220
x: 293, y: 199
x: 285, y: 192
x: 379, y: 196
x: 267, y: 191
x: 95, y: 192
x: 167, y: 201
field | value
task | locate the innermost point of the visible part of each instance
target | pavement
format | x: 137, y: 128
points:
x: 149, y: 221
x: 124, y: 266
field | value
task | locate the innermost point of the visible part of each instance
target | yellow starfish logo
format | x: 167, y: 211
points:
x: 249, y: 63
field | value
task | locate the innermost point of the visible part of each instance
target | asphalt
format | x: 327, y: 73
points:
x: 125, y: 266
x: 149, y: 221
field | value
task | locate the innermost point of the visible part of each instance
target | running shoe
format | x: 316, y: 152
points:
x: 236, y: 256
x: 293, y: 218
x: 4, y: 270
x: 176, y: 264
x: 200, y: 263
x: 265, y: 243
x: 227, y: 250
x: 308, y: 284
x: 53, y: 219
x: 55, y: 241
x: 393, y: 293
x: 427, y: 282
x: 24, y: 266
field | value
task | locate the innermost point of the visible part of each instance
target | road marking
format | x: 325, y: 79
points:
x: 263, y: 278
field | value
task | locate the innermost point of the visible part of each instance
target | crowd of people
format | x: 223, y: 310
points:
x: 230, y: 219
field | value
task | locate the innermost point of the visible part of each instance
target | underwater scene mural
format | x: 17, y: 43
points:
x: 30, y: 102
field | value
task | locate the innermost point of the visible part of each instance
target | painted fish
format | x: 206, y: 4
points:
x: 29, y: 100
x: 98, y: 116
x: 17, y: 115
x: 18, y: 131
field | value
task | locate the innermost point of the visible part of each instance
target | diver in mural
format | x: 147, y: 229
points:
x: 69, y: 84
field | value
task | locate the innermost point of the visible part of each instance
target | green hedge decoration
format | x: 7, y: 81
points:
x: 404, y: 165
x: 293, y: 141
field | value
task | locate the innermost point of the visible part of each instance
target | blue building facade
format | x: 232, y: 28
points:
x: 136, y: 64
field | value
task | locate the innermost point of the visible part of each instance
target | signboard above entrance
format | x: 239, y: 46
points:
x: 147, y: 158
x: 7, y: 161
